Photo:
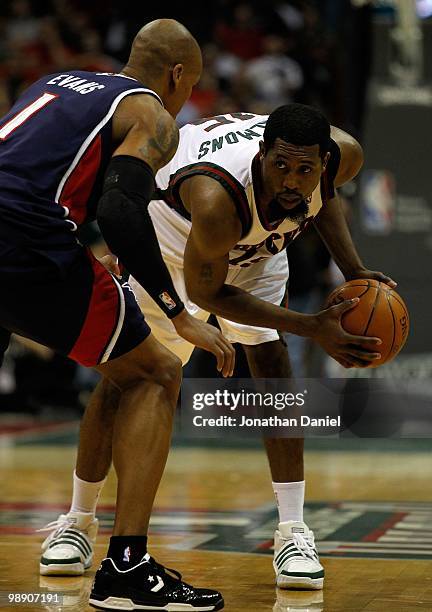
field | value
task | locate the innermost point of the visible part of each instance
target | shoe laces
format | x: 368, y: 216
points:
x: 177, y: 577
x: 58, y: 526
x: 305, y: 545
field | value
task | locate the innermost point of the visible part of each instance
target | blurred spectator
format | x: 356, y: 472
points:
x: 57, y: 53
x: 256, y: 57
x: 22, y: 26
x: 225, y: 66
x: 240, y: 34
x: 290, y: 14
x: 116, y: 36
x: 92, y: 56
x: 320, y: 57
x: 273, y: 78
x: 205, y: 95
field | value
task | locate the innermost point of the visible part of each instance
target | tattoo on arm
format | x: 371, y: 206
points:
x: 206, y: 274
x: 161, y: 146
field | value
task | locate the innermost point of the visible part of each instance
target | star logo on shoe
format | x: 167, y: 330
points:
x: 150, y: 579
x: 157, y: 586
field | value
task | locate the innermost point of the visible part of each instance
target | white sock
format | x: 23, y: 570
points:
x: 85, y: 495
x: 290, y: 500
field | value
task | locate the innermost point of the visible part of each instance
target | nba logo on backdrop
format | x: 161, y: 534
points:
x: 378, y: 197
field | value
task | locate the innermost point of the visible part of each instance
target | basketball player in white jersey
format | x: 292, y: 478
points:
x: 239, y: 188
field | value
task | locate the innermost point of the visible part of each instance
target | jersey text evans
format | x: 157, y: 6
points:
x: 69, y: 81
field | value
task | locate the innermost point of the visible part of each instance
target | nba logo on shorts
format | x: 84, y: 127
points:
x: 126, y: 554
x: 167, y: 300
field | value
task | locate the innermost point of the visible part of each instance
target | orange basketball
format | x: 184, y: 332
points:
x: 381, y: 313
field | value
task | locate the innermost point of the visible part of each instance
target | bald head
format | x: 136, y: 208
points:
x: 162, y: 44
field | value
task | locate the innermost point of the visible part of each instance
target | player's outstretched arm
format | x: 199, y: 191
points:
x: 215, y: 230
x: 331, y: 222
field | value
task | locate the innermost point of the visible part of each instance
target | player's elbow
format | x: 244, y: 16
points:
x: 107, y: 215
x: 357, y: 158
x: 201, y: 296
x: 195, y: 294
x: 351, y: 163
x: 354, y: 161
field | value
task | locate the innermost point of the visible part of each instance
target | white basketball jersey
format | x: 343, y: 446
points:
x: 225, y: 148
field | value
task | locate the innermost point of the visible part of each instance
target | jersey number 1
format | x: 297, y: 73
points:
x: 25, y: 114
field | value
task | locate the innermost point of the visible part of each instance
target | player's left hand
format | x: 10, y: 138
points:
x: 207, y: 337
x: 379, y: 276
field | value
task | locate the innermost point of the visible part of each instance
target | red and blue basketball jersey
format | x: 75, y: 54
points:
x: 55, y: 145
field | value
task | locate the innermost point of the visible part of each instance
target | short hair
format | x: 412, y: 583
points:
x: 298, y: 124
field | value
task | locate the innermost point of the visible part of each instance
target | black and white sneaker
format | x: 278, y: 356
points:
x: 149, y: 586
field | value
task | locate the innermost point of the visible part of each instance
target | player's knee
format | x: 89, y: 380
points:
x: 165, y: 371
x: 169, y: 373
x: 150, y: 362
x: 109, y: 395
x: 269, y: 359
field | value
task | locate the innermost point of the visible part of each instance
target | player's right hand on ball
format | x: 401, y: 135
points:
x: 207, y: 337
x: 349, y: 350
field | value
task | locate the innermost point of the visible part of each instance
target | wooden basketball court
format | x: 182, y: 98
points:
x: 370, y: 505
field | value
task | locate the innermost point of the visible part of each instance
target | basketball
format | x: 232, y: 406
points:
x: 381, y: 313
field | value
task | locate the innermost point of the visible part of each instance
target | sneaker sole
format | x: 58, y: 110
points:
x: 119, y: 603
x: 63, y: 569
x: 297, y: 582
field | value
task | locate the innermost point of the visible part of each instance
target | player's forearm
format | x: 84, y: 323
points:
x: 239, y: 306
x: 129, y: 233
x: 333, y: 229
